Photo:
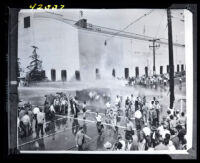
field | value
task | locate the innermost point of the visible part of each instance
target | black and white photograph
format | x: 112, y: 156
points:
x: 104, y: 80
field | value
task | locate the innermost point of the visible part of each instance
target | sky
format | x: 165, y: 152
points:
x: 153, y: 25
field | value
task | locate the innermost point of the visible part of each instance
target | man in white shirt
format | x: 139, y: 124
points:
x: 107, y: 107
x: 118, y: 101
x: 27, y: 123
x: 52, y: 108
x: 36, y: 110
x: 98, y: 124
x: 164, y: 132
x: 138, y: 119
x: 63, y: 105
x: 147, y: 134
x: 40, y: 120
x: 146, y: 130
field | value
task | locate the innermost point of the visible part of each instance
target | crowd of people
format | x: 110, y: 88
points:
x: 54, y: 104
x: 145, y: 129
x: 154, y: 81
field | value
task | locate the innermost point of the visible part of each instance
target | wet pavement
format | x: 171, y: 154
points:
x: 63, y: 136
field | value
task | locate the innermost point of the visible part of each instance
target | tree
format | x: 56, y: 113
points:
x: 36, y: 73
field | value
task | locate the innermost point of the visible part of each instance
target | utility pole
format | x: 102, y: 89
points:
x: 154, y: 51
x: 12, y: 79
x: 171, y: 59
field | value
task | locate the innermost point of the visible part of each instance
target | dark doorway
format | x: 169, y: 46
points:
x: 63, y: 75
x: 77, y: 75
x: 177, y: 68
x: 146, y: 71
x: 113, y: 72
x: 154, y: 69
x: 182, y: 67
x: 137, y: 71
x: 97, y: 73
x: 43, y: 73
x: 161, y: 70
x: 167, y: 68
x: 53, y: 75
x: 126, y: 71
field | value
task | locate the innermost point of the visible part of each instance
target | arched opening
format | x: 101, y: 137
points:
x: 137, y: 71
x: 63, y: 75
x: 113, y: 72
x: 182, y: 67
x: 167, y: 68
x: 161, y: 70
x: 126, y: 73
x: 146, y: 71
x: 53, y: 75
x: 97, y: 73
x: 177, y: 68
x: 77, y: 75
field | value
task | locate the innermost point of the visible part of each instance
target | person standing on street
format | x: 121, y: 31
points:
x: 138, y: 119
x: 36, y: 110
x: 80, y: 139
x: 84, y: 110
x: 40, y: 120
x: 98, y: 124
x: 26, y: 123
x: 157, y: 107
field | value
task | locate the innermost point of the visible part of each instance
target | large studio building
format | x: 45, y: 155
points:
x: 79, y: 50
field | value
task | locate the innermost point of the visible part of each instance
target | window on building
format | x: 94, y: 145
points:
x: 137, y: 71
x: 64, y: 75
x: 177, y: 68
x: 161, y: 70
x: 27, y: 22
x: 97, y: 73
x: 113, y: 72
x: 167, y: 68
x: 146, y: 71
x: 126, y: 73
x: 77, y: 75
x: 182, y: 67
x: 53, y: 75
x: 154, y: 68
x: 43, y: 73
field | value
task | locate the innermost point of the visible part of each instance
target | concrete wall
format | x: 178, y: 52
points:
x: 64, y: 47
x: 120, y: 53
x: 57, y: 43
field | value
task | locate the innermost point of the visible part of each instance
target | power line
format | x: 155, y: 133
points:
x: 110, y: 31
x: 159, y: 24
x: 146, y: 14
